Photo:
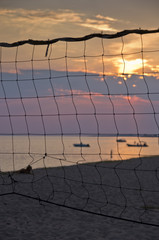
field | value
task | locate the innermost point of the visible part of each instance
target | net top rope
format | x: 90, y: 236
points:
x: 78, y: 39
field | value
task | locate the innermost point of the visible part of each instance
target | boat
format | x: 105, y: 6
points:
x: 141, y: 144
x: 81, y: 145
x: 121, y: 140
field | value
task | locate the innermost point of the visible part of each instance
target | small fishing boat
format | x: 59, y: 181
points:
x: 81, y: 145
x: 141, y: 144
x: 121, y: 140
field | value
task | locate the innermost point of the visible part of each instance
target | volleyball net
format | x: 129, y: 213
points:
x: 79, y: 123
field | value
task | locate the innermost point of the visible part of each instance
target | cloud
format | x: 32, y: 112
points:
x: 98, y: 26
x: 41, y: 15
x: 106, y: 18
x: 99, y: 23
x: 51, y: 17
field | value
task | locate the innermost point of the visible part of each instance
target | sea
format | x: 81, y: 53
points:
x: 41, y: 151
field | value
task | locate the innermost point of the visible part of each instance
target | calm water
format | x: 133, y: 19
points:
x: 60, y: 150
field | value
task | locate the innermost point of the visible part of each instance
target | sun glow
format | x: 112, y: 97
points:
x: 131, y: 66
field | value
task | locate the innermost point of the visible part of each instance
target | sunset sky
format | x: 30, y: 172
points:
x: 40, y: 19
x: 43, y: 20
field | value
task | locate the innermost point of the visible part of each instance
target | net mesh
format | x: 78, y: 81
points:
x: 79, y: 123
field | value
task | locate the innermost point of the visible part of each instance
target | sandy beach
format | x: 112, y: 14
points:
x: 125, y: 190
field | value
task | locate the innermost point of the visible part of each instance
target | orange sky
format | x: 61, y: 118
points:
x: 41, y: 21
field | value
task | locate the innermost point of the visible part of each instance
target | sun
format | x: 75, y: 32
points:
x: 131, y: 66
